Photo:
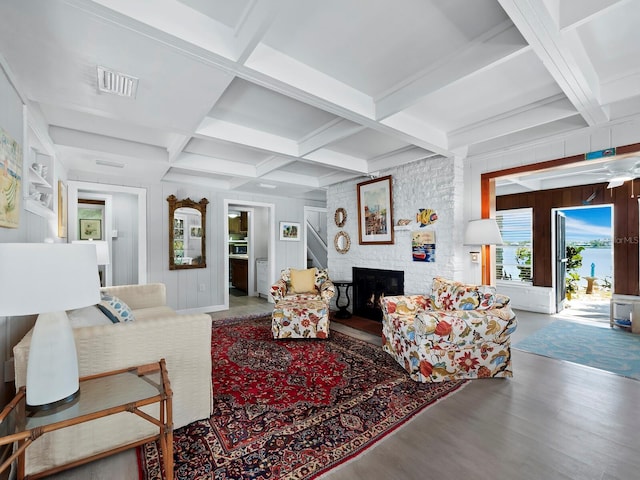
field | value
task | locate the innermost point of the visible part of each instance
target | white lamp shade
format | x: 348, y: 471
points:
x: 484, y: 231
x: 102, y: 250
x: 47, y: 277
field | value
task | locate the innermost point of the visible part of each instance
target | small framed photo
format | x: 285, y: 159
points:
x: 290, y: 231
x: 90, y: 229
x: 195, y: 231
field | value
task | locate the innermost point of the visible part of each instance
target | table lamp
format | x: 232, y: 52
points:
x: 48, y: 279
x: 482, y: 232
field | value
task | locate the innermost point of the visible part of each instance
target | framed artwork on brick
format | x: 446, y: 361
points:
x: 375, y: 212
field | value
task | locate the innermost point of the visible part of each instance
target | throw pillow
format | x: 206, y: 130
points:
x: 87, y: 317
x: 303, y: 281
x: 115, y: 309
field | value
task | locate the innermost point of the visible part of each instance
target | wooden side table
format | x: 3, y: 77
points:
x: 127, y: 391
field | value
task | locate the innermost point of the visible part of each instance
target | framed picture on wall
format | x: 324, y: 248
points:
x: 62, y: 209
x: 290, y: 231
x: 90, y: 229
x: 375, y: 207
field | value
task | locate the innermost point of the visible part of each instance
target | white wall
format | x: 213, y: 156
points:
x: 184, y: 290
x: 435, y: 184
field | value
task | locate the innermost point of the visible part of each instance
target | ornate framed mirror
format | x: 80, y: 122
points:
x: 340, y: 217
x: 342, y: 242
x: 187, y: 233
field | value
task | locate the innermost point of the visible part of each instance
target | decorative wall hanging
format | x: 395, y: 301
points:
x: 423, y: 246
x: 340, y: 217
x: 10, y: 180
x: 426, y: 216
x: 375, y: 212
x: 290, y: 231
x: 342, y: 242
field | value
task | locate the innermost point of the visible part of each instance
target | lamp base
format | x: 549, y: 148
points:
x: 53, y: 405
x: 52, y: 368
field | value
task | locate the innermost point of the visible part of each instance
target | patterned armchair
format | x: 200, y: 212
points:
x: 302, y: 304
x: 460, y: 331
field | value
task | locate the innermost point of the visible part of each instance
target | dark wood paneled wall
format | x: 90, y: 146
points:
x: 626, y: 236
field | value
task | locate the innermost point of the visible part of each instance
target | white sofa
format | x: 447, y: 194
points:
x: 184, y: 341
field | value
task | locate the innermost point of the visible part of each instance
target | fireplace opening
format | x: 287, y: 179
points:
x: 370, y: 285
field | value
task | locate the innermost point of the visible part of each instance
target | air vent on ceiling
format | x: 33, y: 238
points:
x: 117, y: 83
x: 266, y: 185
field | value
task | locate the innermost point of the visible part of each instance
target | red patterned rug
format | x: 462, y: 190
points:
x: 291, y: 409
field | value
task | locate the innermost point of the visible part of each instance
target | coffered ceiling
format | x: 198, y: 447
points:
x: 288, y: 97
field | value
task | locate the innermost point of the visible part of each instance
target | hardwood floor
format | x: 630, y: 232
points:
x: 552, y: 420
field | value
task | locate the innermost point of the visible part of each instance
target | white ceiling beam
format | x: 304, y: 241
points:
x: 575, y: 78
x: 574, y: 14
x: 232, y: 132
x: 173, y: 18
x: 177, y: 145
x: 412, y: 126
x: 541, y: 113
x: 272, y: 163
x: 293, y: 178
x: 276, y: 65
x: 334, y: 131
x: 491, y: 49
x: 196, y: 180
x: 398, y: 158
x: 238, y: 182
x: 203, y: 163
x: 254, y: 24
x: 338, y: 177
x: 342, y: 161
x: 102, y: 143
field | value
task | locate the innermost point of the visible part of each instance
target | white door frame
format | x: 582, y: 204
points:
x: 271, y: 244
x: 101, y: 188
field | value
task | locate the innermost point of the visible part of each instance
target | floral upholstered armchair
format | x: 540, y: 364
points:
x: 302, y: 300
x: 460, y: 331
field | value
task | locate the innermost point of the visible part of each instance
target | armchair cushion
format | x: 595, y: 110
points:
x: 303, y: 281
x: 452, y: 295
x: 324, y: 288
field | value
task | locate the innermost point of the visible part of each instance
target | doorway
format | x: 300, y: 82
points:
x: 133, y: 201
x: 248, y: 247
x: 587, y: 260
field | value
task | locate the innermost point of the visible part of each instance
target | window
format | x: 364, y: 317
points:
x: 514, y: 259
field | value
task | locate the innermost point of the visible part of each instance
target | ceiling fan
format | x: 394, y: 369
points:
x: 619, y: 171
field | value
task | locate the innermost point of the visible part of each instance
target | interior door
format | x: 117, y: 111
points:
x: 561, y: 260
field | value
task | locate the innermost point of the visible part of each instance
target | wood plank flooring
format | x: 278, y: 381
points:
x: 552, y: 420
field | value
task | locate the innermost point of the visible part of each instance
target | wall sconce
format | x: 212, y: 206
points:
x: 475, y: 257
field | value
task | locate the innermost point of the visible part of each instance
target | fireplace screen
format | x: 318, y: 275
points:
x: 370, y: 285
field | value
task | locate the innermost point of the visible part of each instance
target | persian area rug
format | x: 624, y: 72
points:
x: 604, y: 348
x: 291, y: 409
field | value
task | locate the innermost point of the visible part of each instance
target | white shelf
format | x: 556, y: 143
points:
x: 38, y: 208
x: 37, y: 180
